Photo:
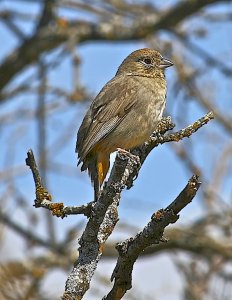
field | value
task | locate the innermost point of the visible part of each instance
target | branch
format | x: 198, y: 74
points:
x: 47, y: 13
x: 158, y: 138
x: 152, y: 233
x: 43, y: 198
x: 201, y: 244
x: 178, y: 240
x: 104, y: 214
x: 99, y: 227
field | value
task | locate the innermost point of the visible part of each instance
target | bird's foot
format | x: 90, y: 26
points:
x: 137, y: 165
x: 133, y: 157
x: 123, y: 151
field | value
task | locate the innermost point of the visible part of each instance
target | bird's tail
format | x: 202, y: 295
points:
x: 98, y: 165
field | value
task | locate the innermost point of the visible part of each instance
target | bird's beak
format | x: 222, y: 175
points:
x: 165, y: 63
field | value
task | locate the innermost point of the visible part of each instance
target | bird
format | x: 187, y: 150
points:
x: 124, y: 114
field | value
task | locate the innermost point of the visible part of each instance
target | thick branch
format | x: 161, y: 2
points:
x: 130, y: 249
x: 100, y: 225
x: 104, y: 212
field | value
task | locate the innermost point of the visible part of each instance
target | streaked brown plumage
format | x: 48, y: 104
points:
x: 125, y: 112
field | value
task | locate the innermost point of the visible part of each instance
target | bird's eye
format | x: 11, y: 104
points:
x: 147, y: 61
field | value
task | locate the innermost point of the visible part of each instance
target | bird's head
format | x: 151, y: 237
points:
x: 144, y: 62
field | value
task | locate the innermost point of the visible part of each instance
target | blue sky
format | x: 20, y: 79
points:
x: 163, y: 175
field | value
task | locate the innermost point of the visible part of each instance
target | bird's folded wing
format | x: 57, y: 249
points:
x: 108, y: 109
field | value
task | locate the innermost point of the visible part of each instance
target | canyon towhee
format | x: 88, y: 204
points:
x: 124, y: 114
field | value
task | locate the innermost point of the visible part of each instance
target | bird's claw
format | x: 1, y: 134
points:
x: 133, y: 157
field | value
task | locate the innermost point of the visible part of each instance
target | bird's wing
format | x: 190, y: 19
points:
x: 107, y: 110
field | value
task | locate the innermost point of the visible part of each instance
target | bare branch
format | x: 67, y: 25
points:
x: 152, y: 233
x: 43, y: 198
x: 201, y: 244
x: 159, y: 139
x: 104, y: 214
x: 124, y: 168
x: 102, y: 221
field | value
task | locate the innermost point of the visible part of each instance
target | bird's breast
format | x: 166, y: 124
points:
x: 140, y: 122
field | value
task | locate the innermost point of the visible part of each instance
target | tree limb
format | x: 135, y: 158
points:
x: 152, y: 233
x: 104, y: 214
x: 43, y: 198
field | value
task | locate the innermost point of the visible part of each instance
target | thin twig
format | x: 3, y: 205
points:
x: 159, y: 138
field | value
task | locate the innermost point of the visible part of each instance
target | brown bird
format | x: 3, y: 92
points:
x: 124, y: 114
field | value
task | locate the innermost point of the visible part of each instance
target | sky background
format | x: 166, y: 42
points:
x: 162, y: 176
